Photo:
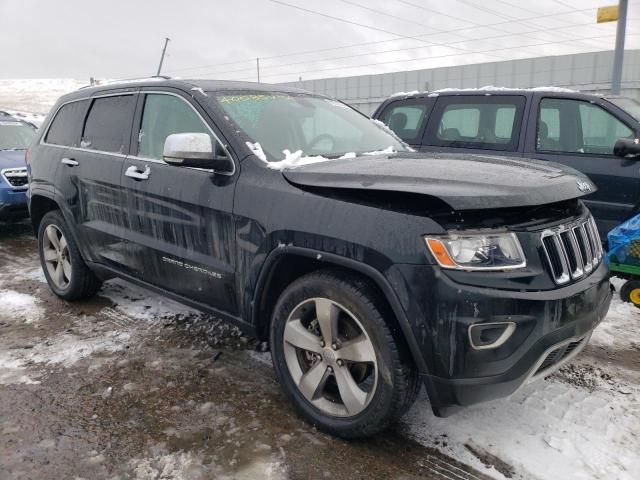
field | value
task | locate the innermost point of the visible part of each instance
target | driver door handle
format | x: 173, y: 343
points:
x: 135, y: 172
x: 69, y: 162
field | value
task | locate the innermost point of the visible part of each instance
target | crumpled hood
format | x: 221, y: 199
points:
x: 11, y: 159
x: 465, y: 182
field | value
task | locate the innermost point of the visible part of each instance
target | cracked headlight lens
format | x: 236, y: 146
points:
x: 477, y: 251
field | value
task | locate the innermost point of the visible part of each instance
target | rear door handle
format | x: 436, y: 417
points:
x: 69, y: 161
x: 134, y: 172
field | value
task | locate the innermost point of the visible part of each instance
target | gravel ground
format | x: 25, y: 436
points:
x: 131, y: 385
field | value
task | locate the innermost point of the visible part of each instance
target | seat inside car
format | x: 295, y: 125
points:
x: 398, y: 122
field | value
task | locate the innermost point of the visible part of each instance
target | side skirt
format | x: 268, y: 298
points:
x: 105, y: 272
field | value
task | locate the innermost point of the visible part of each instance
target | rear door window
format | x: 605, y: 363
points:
x: 488, y: 122
x: 578, y: 127
x: 406, y: 119
x: 67, y: 125
x: 108, y: 124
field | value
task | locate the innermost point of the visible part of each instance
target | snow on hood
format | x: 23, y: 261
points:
x: 257, y: 150
x: 298, y: 159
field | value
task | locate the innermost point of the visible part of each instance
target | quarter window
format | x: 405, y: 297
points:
x: 67, y: 125
x: 165, y: 115
x: 108, y: 125
x: 579, y: 127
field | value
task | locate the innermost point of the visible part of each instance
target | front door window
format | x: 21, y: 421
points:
x: 578, y: 127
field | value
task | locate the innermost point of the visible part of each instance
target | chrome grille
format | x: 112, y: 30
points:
x: 16, y: 177
x: 572, y: 251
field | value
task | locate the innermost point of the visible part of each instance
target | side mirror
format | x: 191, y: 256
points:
x: 625, y: 146
x: 195, y: 150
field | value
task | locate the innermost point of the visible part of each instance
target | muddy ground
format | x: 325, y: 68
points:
x: 130, y: 385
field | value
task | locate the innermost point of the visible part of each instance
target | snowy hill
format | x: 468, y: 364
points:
x: 35, y: 95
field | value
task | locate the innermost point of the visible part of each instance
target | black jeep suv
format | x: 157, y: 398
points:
x: 370, y: 269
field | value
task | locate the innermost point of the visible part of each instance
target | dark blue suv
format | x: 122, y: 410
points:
x: 15, y: 136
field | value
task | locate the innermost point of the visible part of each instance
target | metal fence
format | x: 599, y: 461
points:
x: 588, y: 72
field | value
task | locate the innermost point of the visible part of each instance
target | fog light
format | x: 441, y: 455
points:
x: 484, y: 336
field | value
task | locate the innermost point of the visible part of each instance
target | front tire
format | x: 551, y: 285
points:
x: 336, y: 358
x: 66, y: 273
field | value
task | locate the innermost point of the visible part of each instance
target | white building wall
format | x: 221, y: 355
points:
x: 589, y: 72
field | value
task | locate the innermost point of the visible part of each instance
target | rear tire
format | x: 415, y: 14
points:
x: 66, y: 272
x: 336, y: 357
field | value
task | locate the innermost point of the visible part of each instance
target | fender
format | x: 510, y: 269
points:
x: 366, y: 270
x: 51, y: 196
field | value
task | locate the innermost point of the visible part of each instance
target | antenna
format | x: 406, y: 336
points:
x: 164, y: 50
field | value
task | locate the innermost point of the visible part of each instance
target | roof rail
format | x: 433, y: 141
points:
x: 124, y: 80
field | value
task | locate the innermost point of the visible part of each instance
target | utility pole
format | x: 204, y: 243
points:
x: 258, y: 68
x: 164, y: 50
x: 618, y: 56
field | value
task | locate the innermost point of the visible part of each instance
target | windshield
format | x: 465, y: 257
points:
x: 632, y: 107
x: 15, y: 135
x: 315, y: 126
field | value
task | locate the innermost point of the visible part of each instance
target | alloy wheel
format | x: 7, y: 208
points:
x: 56, y: 256
x: 330, y: 357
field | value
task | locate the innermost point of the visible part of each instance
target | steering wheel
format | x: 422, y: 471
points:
x: 322, y: 136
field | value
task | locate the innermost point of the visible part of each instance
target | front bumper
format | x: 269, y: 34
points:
x: 551, y: 327
x: 13, y: 203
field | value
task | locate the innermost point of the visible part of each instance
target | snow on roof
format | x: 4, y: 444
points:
x: 486, y: 88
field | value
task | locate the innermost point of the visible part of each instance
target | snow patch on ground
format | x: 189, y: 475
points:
x: 175, y: 466
x: 20, y: 306
x: 190, y: 466
x: 13, y: 370
x: 581, y: 423
x: 621, y: 326
x: 262, y: 357
x: 548, y: 430
x: 63, y: 349
x: 67, y: 349
x: 133, y: 305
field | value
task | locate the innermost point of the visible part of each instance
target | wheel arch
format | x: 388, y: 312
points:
x: 277, y: 273
x: 39, y: 206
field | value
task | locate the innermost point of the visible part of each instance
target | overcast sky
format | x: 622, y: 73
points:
x: 123, y: 38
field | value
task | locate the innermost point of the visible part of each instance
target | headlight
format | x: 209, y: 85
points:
x: 481, y: 251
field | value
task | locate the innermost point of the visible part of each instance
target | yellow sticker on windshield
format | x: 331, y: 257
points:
x: 245, y: 98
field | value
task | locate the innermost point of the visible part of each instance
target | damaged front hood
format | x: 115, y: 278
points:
x: 465, y: 182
